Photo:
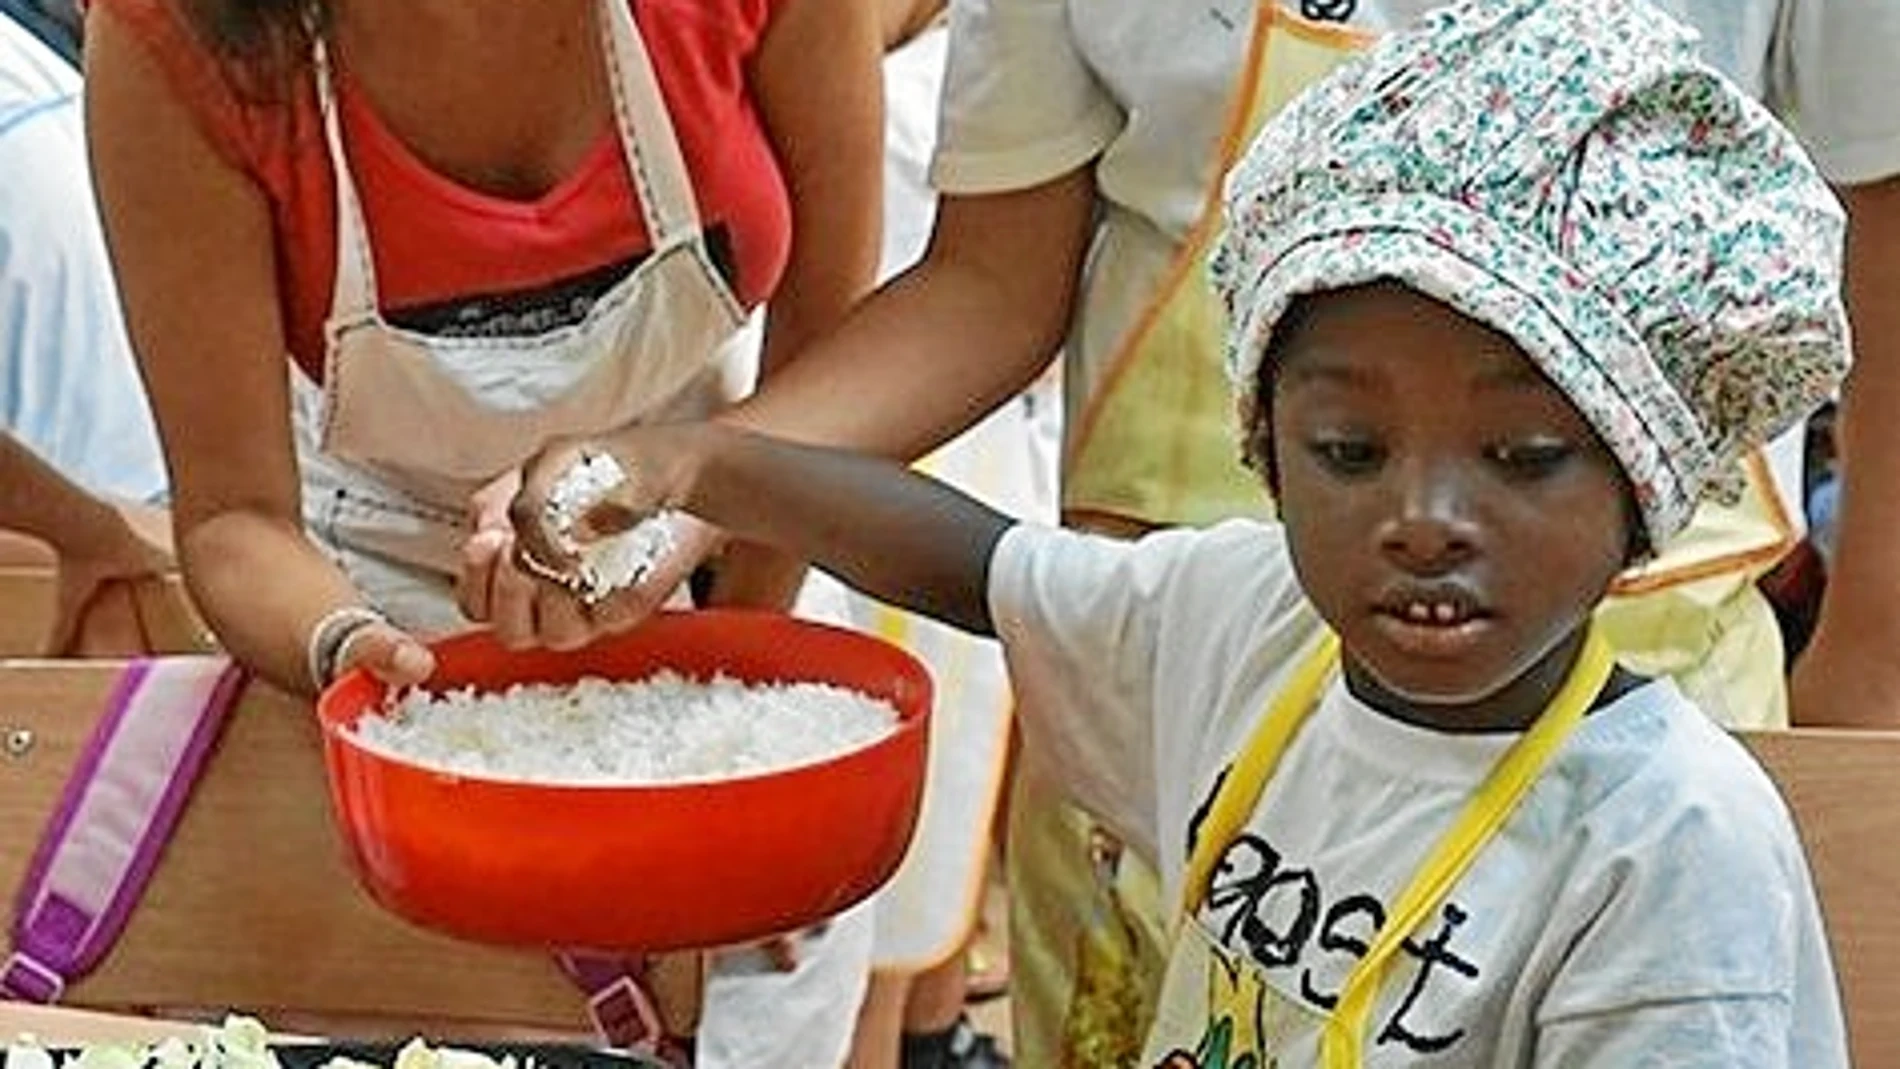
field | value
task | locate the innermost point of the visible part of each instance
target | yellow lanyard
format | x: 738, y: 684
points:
x: 1450, y: 857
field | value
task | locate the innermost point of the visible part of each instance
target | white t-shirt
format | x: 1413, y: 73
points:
x: 1037, y: 88
x: 68, y: 387
x: 1648, y: 903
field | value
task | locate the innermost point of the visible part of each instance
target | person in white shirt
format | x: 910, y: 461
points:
x: 80, y: 467
x: 68, y: 387
x: 1507, y: 299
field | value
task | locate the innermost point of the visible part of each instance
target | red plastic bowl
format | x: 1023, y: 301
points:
x: 591, y: 867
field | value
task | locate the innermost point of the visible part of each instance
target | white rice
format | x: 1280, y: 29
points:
x: 663, y: 729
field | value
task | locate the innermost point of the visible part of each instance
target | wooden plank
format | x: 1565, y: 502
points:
x: 1845, y: 795
x: 26, y: 608
x: 58, y: 1026
x: 254, y: 906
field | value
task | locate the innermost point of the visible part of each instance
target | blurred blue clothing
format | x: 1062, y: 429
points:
x: 69, y: 389
x: 57, y: 23
x: 1824, y: 509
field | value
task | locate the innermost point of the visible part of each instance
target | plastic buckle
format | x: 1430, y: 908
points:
x: 625, y: 1016
x: 27, y: 979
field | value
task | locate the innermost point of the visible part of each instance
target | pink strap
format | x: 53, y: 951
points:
x: 117, y: 812
x: 622, y: 1012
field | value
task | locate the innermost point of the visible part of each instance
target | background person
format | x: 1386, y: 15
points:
x: 80, y: 466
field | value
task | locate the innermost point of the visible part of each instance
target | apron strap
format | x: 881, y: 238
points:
x: 354, y: 290
x: 1452, y: 855
x: 118, y: 811
x: 660, y: 179
x: 1247, y: 780
x: 1343, y: 1035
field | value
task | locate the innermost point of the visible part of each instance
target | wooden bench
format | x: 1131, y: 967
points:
x: 144, y: 616
x: 1844, y: 789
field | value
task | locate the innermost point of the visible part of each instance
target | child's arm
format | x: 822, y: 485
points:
x: 896, y: 535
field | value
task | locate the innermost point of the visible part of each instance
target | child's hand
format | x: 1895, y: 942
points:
x: 528, y: 558
x: 656, y: 464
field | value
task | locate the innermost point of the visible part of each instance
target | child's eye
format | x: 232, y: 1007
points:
x: 1347, y: 456
x: 1531, y: 459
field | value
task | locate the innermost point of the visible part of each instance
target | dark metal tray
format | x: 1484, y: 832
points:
x: 526, y: 1055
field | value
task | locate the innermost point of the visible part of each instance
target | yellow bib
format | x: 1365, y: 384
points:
x: 1493, y: 802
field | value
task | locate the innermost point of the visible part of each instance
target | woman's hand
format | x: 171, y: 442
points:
x: 126, y: 542
x: 388, y: 653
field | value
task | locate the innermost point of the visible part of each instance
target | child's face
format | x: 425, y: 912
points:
x: 1450, y: 514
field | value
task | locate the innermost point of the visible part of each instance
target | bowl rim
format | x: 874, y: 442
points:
x: 340, y: 735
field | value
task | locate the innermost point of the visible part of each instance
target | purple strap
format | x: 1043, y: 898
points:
x: 618, y: 1004
x: 117, y: 812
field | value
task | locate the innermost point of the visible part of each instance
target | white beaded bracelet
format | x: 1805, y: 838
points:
x: 331, y: 635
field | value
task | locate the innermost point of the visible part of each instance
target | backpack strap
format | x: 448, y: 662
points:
x: 118, y: 811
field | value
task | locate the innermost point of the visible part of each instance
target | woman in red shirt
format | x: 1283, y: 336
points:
x: 373, y: 253
x: 478, y: 186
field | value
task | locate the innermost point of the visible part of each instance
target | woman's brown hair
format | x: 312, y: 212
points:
x: 264, y: 44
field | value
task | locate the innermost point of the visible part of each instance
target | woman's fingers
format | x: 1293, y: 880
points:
x: 561, y: 621
x: 488, y: 506
x: 388, y: 654
x: 483, y: 553
x: 512, y: 596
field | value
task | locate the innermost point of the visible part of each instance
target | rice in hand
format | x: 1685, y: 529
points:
x: 666, y: 728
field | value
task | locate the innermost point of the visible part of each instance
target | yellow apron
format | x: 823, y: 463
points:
x: 1216, y: 1010
x: 1158, y: 442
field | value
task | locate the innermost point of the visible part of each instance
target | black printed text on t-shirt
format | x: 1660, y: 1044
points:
x: 1260, y: 904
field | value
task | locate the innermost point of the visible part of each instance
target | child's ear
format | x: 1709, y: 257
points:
x: 1256, y: 426
x: 1636, y: 549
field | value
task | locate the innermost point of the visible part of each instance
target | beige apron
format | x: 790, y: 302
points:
x: 406, y: 425
x: 1216, y: 1009
x: 1157, y: 442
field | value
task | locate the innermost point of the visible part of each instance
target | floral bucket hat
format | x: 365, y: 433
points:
x: 1568, y: 173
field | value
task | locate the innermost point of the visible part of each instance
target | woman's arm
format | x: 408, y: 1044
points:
x: 921, y: 360
x: 818, y: 82
x: 940, y: 346
x: 1848, y: 676
x: 191, y: 244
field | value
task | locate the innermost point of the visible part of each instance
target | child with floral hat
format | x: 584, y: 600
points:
x: 1507, y: 297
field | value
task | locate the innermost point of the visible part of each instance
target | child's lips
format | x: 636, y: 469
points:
x: 1431, y: 639
x: 1435, y: 621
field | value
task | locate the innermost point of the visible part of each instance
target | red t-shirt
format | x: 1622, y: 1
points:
x: 452, y: 260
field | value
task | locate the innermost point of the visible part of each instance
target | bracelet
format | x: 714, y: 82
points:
x: 331, y: 635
